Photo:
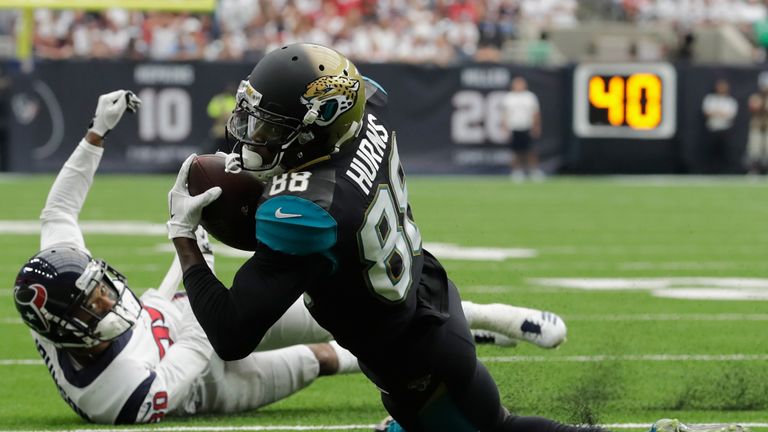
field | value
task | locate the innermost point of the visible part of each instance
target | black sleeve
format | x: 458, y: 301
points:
x: 267, y: 284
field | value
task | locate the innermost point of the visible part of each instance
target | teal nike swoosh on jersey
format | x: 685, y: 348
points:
x: 295, y: 225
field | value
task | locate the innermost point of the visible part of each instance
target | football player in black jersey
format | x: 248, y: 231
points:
x: 335, y: 226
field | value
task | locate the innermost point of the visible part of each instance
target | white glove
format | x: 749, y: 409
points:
x: 186, y: 209
x: 110, y: 110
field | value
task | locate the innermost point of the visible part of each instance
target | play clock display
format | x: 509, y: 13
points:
x: 633, y: 100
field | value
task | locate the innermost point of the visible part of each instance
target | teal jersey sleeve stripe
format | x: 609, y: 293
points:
x: 295, y: 225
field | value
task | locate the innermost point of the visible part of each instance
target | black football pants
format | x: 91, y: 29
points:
x: 442, y: 387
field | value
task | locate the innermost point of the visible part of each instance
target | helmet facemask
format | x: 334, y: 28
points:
x: 299, y: 105
x: 92, y: 326
x: 261, y: 136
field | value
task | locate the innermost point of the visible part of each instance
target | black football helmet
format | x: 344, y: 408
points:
x: 301, y: 102
x: 51, y: 291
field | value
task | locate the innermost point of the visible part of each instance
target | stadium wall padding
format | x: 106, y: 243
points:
x: 447, y: 118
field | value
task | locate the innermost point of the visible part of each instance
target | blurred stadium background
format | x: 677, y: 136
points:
x: 445, y: 63
x: 662, y: 279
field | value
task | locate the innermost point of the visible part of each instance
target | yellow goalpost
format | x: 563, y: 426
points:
x: 25, y: 33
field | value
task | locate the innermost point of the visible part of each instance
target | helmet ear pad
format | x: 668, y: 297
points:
x: 251, y: 159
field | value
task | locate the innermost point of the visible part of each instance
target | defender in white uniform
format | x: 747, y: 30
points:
x: 116, y: 358
x: 155, y: 358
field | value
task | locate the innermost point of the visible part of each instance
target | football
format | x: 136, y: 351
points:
x: 231, y: 219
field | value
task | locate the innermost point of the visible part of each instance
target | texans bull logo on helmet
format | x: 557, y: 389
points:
x: 32, y: 299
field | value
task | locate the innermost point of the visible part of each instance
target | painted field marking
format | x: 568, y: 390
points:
x: 712, y: 293
x: 651, y: 283
x: 589, y: 318
x: 144, y: 228
x: 683, y: 181
x: 20, y: 362
x: 688, y: 288
x: 441, y: 250
x: 368, y: 427
x: 648, y: 425
x: 218, y: 428
x: 670, y: 317
x: 90, y: 227
x: 555, y: 359
x: 628, y: 357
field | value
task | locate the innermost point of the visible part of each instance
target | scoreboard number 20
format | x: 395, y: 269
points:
x: 624, y: 101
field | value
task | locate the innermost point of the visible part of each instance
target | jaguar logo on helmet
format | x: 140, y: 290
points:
x: 32, y: 298
x: 334, y: 95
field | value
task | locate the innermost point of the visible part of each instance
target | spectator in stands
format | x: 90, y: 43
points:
x: 719, y: 110
x: 685, y: 46
x: 540, y: 51
x: 219, y: 109
x: 757, y: 146
x: 522, y: 120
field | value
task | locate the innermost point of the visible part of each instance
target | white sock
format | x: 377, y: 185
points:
x: 497, y: 317
x: 347, y: 360
x: 470, y: 310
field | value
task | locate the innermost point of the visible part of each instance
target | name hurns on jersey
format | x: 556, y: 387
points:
x: 369, y: 155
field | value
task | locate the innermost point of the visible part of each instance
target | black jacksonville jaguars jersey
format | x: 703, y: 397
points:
x: 352, y: 208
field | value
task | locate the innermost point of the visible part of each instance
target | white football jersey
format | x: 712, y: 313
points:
x: 165, y: 364
x: 122, y: 385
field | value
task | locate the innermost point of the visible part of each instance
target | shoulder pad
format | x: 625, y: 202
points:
x: 295, y: 225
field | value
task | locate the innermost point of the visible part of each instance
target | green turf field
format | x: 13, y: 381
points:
x: 643, y: 347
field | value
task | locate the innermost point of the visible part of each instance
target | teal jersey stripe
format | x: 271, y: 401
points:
x: 295, y: 225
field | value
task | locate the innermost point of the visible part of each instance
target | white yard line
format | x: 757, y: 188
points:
x: 553, y: 359
x: 368, y: 427
x: 588, y: 318
x: 670, y: 317
x: 131, y: 228
x: 220, y: 428
x: 648, y: 425
x: 684, y: 180
x: 20, y: 362
x: 629, y: 357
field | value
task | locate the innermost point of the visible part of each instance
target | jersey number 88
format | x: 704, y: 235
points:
x: 389, y: 238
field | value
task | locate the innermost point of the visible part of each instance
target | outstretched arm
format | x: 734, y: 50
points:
x: 235, y: 319
x: 173, y: 277
x: 67, y: 195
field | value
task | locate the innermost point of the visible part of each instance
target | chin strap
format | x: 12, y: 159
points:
x: 353, y: 130
x: 232, y: 163
x: 313, y: 112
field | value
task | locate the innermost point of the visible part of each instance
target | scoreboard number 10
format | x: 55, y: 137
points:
x: 624, y: 101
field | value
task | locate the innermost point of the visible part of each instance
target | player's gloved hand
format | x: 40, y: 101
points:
x: 110, y: 110
x: 185, y: 209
